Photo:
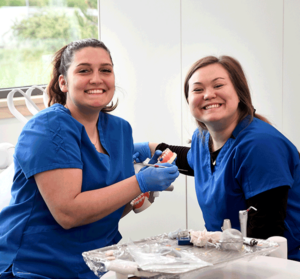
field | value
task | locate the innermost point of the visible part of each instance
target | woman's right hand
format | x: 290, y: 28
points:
x: 157, y: 179
x: 141, y: 152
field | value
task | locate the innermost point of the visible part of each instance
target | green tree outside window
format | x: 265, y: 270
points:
x: 50, y: 24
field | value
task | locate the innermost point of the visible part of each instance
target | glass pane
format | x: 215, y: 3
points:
x: 32, y: 30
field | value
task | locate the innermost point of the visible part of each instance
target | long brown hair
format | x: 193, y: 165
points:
x: 61, y: 63
x: 238, y: 79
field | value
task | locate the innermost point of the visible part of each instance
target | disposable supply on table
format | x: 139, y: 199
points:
x: 162, y: 257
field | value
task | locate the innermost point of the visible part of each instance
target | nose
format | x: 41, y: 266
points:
x: 96, y: 78
x: 209, y: 94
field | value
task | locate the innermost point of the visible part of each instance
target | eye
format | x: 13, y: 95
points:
x: 82, y: 71
x: 219, y: 85
x: 106, y: 70
x: 198, y: 90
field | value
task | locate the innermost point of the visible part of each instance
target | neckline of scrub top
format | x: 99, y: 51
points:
x: 220, y: 152
x: 101, y: 134
x: 239, y: 127
x: 99, y: 126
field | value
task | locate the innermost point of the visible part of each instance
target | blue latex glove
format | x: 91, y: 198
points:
x: 141, y: 152
x: 156, y: 179
x: 154, y: 159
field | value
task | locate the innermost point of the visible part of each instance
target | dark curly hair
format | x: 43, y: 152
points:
x: 61, y: 63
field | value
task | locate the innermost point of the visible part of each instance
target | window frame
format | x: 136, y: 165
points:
x: 19, y: 100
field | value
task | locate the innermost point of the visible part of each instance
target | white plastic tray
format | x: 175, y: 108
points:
x: 209, y: 257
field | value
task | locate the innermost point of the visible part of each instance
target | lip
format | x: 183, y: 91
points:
x: 219, y: 105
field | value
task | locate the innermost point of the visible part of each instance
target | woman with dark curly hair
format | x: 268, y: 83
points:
x: 237, y: 158
x: 74, y: 172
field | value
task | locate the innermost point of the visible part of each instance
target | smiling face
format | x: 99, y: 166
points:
x: 90, y: 83
x: 212, y: 98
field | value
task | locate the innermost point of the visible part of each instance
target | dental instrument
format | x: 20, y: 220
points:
x: 243, y: 216
x: 159, y: 166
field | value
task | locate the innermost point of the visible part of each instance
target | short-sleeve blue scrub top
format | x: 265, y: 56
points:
x: 256, y: 159
x: 30, y: 239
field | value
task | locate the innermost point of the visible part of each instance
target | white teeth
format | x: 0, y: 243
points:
x: 95, y: 91
x: 164, y: 154
x: 213, y: 106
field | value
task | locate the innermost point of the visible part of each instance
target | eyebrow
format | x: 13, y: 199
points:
x: 211, y: 81
x: 88, y: 64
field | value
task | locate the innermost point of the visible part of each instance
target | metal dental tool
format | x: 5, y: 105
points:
x: 243, y: 215
x: 250, y: 241
x: 158, y: 166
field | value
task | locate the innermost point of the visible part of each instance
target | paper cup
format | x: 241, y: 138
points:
x: 281, y: 251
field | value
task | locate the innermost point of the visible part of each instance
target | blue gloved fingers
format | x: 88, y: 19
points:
x: 170, y: 167
x: 143, y: 150
x: 172, y: 171
x: 157, y: 179
x: 155, y: 157
x: 135, y: 157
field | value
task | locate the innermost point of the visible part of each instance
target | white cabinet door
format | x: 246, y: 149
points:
x: 144, y: 39
x: 291, y: 71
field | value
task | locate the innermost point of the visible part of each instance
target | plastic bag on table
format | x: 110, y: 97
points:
x: 160, y: 258
x: 6, y: 180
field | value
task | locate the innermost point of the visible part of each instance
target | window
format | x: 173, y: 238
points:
x: 32, y: 30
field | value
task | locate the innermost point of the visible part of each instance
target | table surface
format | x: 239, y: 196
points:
x: 259, y: 267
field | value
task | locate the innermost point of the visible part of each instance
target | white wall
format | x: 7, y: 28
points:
x: 291, y: 64
x: 154, y: 43
x: 10, y: 130
x: 145, y: 46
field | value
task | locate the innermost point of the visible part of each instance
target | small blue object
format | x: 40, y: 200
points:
x: 184, y: 241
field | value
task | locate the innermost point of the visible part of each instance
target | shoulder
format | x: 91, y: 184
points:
x: 261, y: 132
x: 51, y: 124
x: 199, y: 135
x: 53, y: 119
x: 199, y: 138
x: 114, y: 121
x: 55, y: 113
x: 263, y: 138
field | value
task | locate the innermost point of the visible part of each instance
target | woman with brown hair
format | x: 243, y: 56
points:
x: 74, y: 172
x: 237, y: 158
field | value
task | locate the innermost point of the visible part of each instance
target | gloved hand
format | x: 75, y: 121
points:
x: 157, y: 179
x: 154, y: 159
x: 141, y: 152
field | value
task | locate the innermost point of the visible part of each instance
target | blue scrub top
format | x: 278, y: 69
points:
x: 30, y: 238
x: 258, y: 158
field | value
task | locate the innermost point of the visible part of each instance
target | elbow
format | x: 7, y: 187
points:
x: 66, y: 222
x: 66, y: 226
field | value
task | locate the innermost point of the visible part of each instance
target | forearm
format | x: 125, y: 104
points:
x: 269, y: 218
x: 61, y: 190
x: 152, y: 147
x: 92, y: 206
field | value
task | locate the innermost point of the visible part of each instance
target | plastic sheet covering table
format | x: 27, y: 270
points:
x: 160, y: 257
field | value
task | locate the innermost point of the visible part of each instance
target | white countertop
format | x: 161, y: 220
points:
x: 259, y: 267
